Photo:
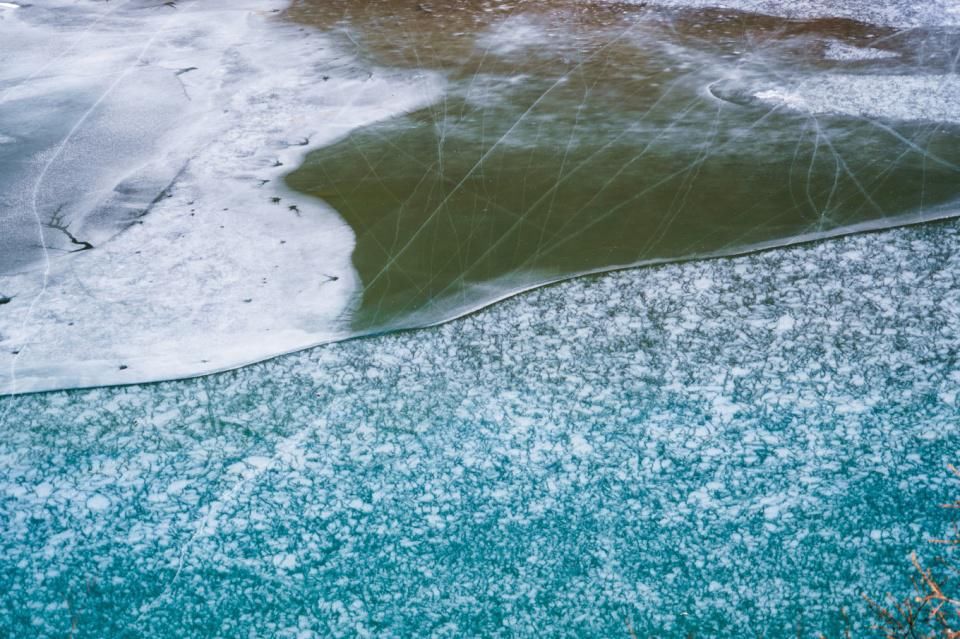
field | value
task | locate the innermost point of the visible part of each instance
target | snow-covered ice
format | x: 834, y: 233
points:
x: 893, y: 13
x: 845, y: 52
x: 159, y: 135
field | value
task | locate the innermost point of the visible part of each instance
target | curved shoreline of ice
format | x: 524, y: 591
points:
x: 657, y: 431
x: 81, y: 379
x: 507, y: 289
x: 185, y: 120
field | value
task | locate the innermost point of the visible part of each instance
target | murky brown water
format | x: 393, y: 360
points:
x: 574, y: 137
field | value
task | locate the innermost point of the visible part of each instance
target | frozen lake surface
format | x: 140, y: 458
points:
x: 701, y: 447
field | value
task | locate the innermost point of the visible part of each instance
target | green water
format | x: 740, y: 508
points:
x: 574, y: 139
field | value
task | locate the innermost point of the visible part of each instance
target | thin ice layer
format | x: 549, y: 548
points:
x: 146, y: 231
x: 689, y: 449
x: 579, y: 137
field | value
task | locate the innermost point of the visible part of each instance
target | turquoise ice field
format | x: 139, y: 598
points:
x: 679, y: 449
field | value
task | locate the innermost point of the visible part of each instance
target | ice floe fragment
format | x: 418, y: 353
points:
x: 844, y: 52
x: 934, y: 98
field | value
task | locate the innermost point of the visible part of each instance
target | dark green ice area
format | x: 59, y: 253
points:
x: 579, y: 138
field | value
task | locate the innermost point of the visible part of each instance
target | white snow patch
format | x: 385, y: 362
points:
x: 218, y: 100
x: 703, y: 283
x: 896, y: 97
x: 846, y: 53
x: 512, y: 35
x: 98, y: 503
x: 285, y: 561
x: 784, y: 324
x: 724, y: 409
x: 579, y: 445
x: 177, y: 487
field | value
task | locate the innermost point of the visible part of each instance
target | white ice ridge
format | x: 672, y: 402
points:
x: 893, y: 13
x: 842, y: 52
x: 934, y: 98
x: 183, y: 117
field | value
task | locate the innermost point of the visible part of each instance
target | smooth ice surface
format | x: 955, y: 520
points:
x: 698, y: 448
x: 146, y: 233
x: 573, y: 138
